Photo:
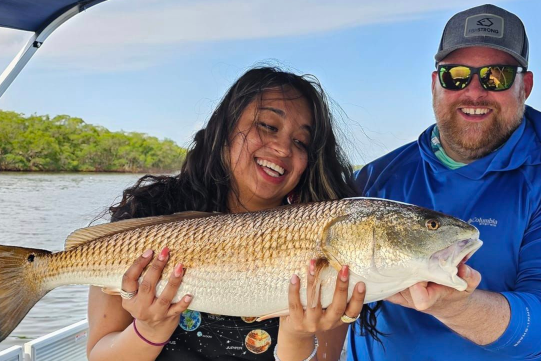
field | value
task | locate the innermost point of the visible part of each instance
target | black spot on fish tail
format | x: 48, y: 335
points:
x: 20, y: 287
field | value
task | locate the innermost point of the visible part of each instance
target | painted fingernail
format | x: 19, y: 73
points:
x: 147, y: 253
x: 344, y: 273
x: 178, y: 270
x: 312, y: 267
x: 163, y: 254
x: 360, y: 288
x: 294, y: 279
x: 188, y: 298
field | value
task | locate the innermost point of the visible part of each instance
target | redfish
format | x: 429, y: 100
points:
x: 241, y: 264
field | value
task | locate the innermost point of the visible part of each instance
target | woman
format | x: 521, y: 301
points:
x: 270, y: 140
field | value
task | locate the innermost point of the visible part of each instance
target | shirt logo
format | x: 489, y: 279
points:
x: 483, y: 221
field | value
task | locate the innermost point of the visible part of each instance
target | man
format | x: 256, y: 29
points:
x: 481, y: 162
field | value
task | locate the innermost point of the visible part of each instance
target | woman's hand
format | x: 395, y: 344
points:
x: 296, y: 334
x: 314, y: 318
x: 156, y: 317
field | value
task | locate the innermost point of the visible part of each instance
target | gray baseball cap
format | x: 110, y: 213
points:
x: 485, y: 25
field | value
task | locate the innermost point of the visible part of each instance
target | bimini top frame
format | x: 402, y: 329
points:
x: 42, y: 17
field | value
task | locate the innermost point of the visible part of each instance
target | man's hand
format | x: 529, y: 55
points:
x: 439, y: 301
x: 477, y: 315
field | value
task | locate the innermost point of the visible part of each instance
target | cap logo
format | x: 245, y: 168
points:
x: 485, y: 22
x: 484, y: 25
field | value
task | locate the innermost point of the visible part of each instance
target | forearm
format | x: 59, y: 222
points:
x: 331, y: 343
x: 125, y: 345
x: 483, y: 319
x: 297, y: 348
x: 520, y: 341
x: 294, y: 347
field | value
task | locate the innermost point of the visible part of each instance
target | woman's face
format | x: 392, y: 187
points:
x: 268, y: 150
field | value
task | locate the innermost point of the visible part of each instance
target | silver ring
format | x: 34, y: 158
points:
x: 346, y: 319
x: 127, y: 295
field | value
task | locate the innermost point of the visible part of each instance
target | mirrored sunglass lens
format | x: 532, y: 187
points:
x: 497, y: 77
x: 456, y: 77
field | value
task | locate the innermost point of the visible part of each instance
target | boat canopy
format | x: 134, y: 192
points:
x: 41, y: 17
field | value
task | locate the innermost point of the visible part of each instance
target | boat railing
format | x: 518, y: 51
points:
x: 68, y: 343
x: 14, y: 353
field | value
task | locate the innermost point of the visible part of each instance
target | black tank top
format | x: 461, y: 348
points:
x: 202, y: 336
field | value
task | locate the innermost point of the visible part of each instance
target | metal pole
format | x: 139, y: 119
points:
x: 35, y: 42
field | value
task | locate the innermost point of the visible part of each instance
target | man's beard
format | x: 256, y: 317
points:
x: 475, y: 140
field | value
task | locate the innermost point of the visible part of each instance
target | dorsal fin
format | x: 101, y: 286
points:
x: 87, y: 234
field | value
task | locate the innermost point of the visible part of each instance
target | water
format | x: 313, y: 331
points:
x: 40, y: 210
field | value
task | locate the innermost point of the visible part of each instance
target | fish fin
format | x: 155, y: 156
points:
x: 280, y: 313
x: 331, y: 259
x: 111, y: 291
x: 21, y: 287
x: 321, y: 264
x: 328, y: 250
x: 88, y: 234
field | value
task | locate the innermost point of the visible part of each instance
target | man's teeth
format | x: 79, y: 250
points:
x: 474, y: 111
x: 271, y: 166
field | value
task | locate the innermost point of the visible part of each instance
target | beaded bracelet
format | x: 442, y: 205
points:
x: 316, y: 345
x: 144, y: 339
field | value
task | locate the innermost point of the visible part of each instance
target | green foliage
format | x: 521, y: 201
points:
x: 38, y: 143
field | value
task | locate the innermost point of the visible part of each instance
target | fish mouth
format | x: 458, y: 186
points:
x: 443, y: 264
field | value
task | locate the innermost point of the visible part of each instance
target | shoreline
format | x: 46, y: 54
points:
x: 2, y: 171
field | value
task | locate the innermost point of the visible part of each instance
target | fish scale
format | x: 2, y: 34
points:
x: 251, y: 257
x: 241, y: 264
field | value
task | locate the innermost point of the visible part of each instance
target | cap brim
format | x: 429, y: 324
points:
x: 440, y: 55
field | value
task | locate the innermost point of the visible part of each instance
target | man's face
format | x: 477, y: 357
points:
x: 473, y: 121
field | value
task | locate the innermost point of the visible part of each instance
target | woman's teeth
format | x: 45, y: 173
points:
x: 274, y: 170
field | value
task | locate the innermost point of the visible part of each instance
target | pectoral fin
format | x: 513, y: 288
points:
x: 331, y: 258
x: 328, y: 248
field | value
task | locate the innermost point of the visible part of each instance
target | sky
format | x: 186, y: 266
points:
x: 161, y: 66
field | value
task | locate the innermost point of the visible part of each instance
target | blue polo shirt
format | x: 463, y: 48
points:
x: 500, y: 194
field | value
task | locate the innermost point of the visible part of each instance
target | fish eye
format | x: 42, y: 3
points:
x: 432, y: 224
x: 31, y: 258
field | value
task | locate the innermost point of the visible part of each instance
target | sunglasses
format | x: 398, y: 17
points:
x: 492, y: 77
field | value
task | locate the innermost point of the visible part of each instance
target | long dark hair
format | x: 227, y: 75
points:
x: 204, y: 181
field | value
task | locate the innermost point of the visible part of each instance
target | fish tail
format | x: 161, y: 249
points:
x: 20, y: 285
